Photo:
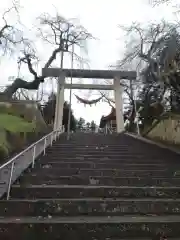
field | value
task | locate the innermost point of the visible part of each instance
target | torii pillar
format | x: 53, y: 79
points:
x: 118, y: 91
x: 59, y: 102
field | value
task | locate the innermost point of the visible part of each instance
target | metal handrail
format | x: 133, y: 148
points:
x: 52, y: 135
x: 109, y: 130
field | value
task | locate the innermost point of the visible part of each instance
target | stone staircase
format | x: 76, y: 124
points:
x: 96, y: 187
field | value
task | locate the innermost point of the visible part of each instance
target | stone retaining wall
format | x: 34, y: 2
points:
x: 166, y: 130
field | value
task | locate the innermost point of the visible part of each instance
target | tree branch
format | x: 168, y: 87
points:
x: 53, y: 56
x: 20, y: 83
x: 58, y: 36
x: 9, y: 35
x: 28, y: 59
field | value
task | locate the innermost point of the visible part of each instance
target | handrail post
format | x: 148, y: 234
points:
x: 52, y: 139
x: 106, y: 129
x: 10, y: 180
x: 55, y: 136
x: 34, y: 156
x: 45, y: 140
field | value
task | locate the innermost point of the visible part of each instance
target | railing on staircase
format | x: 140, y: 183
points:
x: 109, y: 130
x: 11, y: 170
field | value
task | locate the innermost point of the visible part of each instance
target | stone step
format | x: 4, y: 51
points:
x: 91, y: 146
x: 132, y: 159
x: 96, y: 187
x: 134, y: 145
x: 90, y: 228
x: 93, y: 149
x: 97, y: 180
x: 97, y: 154
x: 136, y: 159
x: 127, y: 150
x: 84, y: 191
x: 109, y: 165
x: 114, y: 151
x: 106, y: 147
x: 104, y: 172
x: 88, y: 207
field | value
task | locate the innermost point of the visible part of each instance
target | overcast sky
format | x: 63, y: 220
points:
x: 101, y: 18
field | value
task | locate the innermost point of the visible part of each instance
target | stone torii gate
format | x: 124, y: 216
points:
x: 79, y: 73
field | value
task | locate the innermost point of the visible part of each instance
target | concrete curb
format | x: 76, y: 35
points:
x: 173, y: 149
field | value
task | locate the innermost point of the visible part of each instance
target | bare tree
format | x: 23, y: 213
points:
x: 143, y: 41
x: 59, y: 33
x: 158, y: 2
x: 155, y: 50
x: 10, y: 36
x: 158, y: 49
x: 62, y: 34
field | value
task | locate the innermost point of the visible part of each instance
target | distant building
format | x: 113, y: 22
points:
x: 109, y: 121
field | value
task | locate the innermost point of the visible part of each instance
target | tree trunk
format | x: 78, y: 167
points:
x: 20, y: 83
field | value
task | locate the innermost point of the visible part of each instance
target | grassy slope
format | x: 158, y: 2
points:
x: 14, y: 125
